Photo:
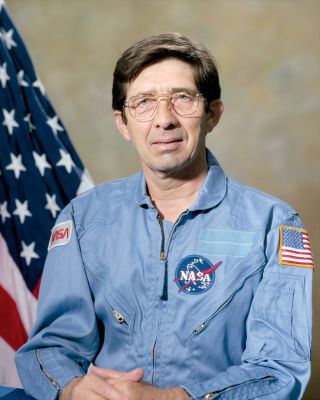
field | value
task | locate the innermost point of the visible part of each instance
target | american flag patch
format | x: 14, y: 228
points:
x: 295, y: 247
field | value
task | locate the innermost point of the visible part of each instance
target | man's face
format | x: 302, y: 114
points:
x: 168, y: 144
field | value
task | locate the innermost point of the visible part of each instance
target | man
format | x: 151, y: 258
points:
x: 176, y: 282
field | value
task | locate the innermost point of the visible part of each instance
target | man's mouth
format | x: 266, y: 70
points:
x: 166, y: 141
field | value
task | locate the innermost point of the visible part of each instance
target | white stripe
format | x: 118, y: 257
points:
x: 294, y: 249
x: 86, y: 182
x: 298, y: 261
x: 303, y: 256
x: 297, y: 253
x: 12, y: 281
x: 8, y: 372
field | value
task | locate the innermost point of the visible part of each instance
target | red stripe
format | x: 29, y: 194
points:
x: 297, y: 254
x: 297, y: 257
x: 36, y: 289
x: 11, y: 327
x: 306, y: 251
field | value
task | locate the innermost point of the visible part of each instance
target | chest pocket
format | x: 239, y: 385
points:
x: 116, y: 315
x: 279, y: 319
x: 119, y: 328
x: 216, y: 332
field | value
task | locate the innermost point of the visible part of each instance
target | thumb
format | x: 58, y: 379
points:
x: 135, y: 375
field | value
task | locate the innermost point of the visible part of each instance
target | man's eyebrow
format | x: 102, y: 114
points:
x: 171, y: 91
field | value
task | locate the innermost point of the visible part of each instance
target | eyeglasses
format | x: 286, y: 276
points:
x: 144, y: 107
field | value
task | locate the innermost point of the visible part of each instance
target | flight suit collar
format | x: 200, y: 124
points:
x: 211, y: 193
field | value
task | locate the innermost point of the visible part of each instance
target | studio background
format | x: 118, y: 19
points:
x: 269, y: 57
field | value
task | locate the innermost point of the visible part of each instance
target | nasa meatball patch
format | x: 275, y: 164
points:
x: 195, y: 274
x: 60, y: 235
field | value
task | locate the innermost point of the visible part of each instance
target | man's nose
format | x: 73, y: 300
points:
x: 165, y: 117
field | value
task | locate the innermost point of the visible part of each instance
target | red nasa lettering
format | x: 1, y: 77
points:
x: 61, y: 234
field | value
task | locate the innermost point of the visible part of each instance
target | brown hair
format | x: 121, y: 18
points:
x: 155, y: 48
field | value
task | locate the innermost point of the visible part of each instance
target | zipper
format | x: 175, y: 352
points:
x: 154, y: 356
x: 164, y: 253
x: 51, y: 380
x: 201, y: 327
x: 213, y: 395
x: 163, y: 257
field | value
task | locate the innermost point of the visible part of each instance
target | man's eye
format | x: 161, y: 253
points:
x: 183, y: 97
x: 144, y: 102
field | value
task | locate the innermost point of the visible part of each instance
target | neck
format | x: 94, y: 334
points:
x: 172, y: 195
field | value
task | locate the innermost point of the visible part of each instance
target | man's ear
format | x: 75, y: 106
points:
x: 122, y: 125
x: 214, y: 113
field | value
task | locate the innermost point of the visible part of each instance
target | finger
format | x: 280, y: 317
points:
x: 106, y: 373
x: 135, y: 375
x: 111, y: 393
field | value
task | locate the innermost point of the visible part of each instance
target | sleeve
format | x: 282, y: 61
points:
x: 65, y: 337
x: 275, y: 364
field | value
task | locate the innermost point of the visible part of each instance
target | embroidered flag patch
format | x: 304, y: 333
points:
x: 295, y: 247
x: 60, y: 235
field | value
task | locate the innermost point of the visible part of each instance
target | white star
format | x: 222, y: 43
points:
x: 52, y: 205
x: 16, y: 165
x: 54, y: 125
x: 27, y: 118
x: 28, y: 252
x: 7, y: 38
x: 65, y: 161
x: 9, y: 120
x: 22, y: 210
x: 41, y: 162
x: 2, y: 4
x: 4, y: 211
x: 38, y: 84
x: 4, y: 77
x: 20, y: 78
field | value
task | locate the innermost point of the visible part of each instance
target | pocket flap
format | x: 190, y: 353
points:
x: 232, y: 282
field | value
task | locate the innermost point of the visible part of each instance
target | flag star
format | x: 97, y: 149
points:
x: 16, y: 165
x: 38, y: 84
x: 28, y: 252
x: 27, y: 118
x: 7, y: 38
x: 41, y: 162
x: 65, y: 161
x: 20, y: 78
x: 22, y: 210
x: 52, y: 205
x: 4, y: 77
x: 4, y: 211
x: 54, y: 124
x: 9, y: 120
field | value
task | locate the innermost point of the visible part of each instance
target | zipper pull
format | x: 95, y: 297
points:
x: 119, y: 317
x: 199, y: 328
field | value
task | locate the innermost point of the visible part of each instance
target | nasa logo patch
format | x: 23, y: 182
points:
x: 60, y: 235
x: 195, y: 274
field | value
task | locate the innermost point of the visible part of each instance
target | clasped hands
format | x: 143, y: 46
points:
x: 109, y: 384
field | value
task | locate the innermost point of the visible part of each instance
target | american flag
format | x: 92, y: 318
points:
x: 295, y: 247
x: 39, y: 173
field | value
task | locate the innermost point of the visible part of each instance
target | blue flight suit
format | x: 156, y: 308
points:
x: 210, y: 303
